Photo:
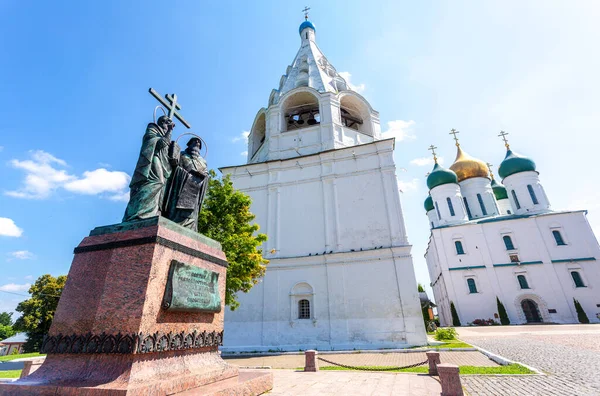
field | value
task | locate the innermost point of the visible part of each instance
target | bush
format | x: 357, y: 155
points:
x: 445, y: 334
x: 581, y: 316
x: 484, y: 322
x: 455, y: 319
x: 502, y: 312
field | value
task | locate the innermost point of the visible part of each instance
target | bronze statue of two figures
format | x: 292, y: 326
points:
x: 167, y: 182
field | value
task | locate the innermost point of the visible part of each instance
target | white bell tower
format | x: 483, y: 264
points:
x: 324, y: 190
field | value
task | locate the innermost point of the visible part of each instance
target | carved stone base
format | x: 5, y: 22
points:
x: 111, y: 333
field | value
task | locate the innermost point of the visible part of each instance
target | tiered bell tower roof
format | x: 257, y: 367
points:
x: 310, y: 68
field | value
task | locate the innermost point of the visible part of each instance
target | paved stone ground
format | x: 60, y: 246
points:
x: 346, y: 383
x: 365, y: 359
x: 567, y: 353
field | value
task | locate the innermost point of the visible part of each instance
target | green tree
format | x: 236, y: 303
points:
x: 504, y: 319
x: 6, y: 318
x: 580, y: 312
x: 455, y: 318
x: 37, y: 312
x: 420, y: 288
x: 226, y: 218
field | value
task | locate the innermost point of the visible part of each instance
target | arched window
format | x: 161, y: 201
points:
x: 577, y: 279
x: 523, y: 282
x: 517, y: 204
x: 481, y: 205
x: 508, y: 212
x: 472, y: 285
x: 450, y: 206
x: 437, y: 209
x: 508, y: 242
x: 467, y: 207
x: 354, y: 113
x: 303, y: 309
x: 532, y: 194
x: 459, y: 247
x: 558, y: 238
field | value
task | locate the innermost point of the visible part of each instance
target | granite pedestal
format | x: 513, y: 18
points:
x: 111, y: 334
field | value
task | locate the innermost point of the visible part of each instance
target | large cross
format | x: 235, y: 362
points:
x: 170, y: 104
x: 305, y: 11
x: 503, y: 136
x: 454, y: 132
x: 432, y: 148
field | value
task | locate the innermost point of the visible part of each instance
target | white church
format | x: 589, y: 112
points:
x: 324, y: 190
x: 494, y: 242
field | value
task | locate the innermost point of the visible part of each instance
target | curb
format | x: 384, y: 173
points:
x: 364, y: 351
x: 505, y: 362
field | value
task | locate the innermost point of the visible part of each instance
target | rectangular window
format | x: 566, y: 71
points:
x: 577, y: 279
x: 481, y: 205
x: 467, y: 208
x: 523, y: 282
x: 558, y: 238
x: 459, y: 247
x: 450, y: 207
x: 552, y: 311
x: 472, y: 285
x: 437, y: 209
x: 532, y: 194
x: 517, y: 204
x: 508, y: 242
x: 303, y: 309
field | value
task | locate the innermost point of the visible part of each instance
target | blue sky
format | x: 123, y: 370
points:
x: 74, y: 101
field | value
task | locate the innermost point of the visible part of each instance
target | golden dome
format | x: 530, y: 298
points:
x: 467, y: 167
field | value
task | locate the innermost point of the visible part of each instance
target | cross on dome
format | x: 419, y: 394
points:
x: 454, y: 132
x: 503, y: 136
x: 432, y: 148
x: 490, y: 169
x: 305, y: 11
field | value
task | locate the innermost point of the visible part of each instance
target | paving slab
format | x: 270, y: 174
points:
x: 568, y: 354
x: 350, y: 383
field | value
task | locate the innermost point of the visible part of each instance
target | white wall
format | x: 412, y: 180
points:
x: 344, y: 203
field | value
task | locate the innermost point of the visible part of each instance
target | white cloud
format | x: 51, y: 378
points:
x: 406, y: 186
x: 424, y: 161
x: 22, y: 255
x: 400, y: 129
x: 9, y: 228
x: 242, y: 137
x: 244, y: 153
x: 356, y: 88
x: 43, y: 176
x: 99, y: 181
x: 13, y: 287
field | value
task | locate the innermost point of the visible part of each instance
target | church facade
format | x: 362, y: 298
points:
x: 494, y: 245
x: 324, y: 190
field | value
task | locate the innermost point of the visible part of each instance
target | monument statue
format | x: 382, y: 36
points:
x: 153, y: 168
x: 187, y: 187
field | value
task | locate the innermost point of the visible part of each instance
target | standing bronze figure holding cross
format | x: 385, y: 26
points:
x: 166, y: 181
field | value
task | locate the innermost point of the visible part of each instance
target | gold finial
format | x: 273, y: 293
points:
x: 432, y: 148
x: 305, y: 11
x: 490, y: 169
x: 454, y: 132
x: 503, y: 136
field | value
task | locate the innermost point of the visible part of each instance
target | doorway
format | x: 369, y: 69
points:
x: 531, y: 311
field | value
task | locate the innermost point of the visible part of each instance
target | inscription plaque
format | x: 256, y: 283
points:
x: 191, y: 289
